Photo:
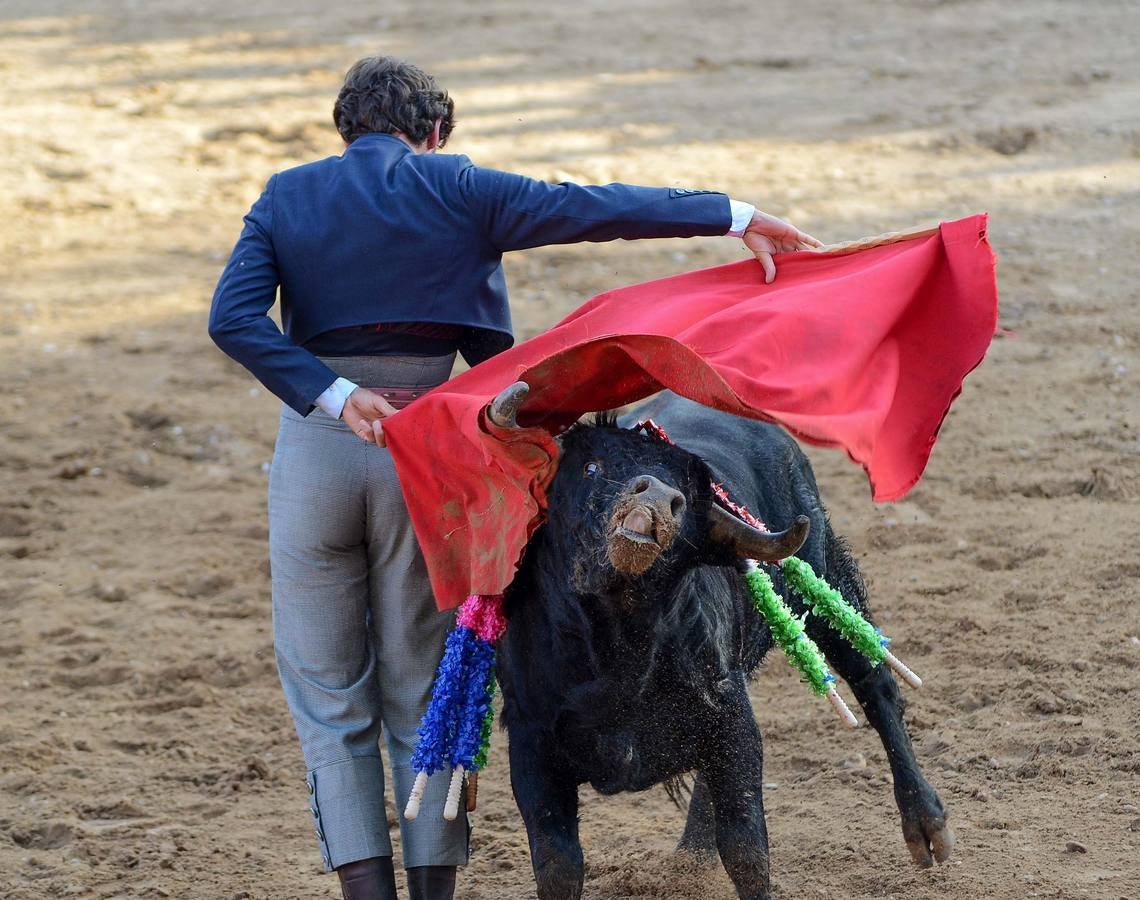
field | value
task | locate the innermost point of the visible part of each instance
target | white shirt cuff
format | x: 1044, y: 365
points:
x: 742, y: 214
x: 331, y: 401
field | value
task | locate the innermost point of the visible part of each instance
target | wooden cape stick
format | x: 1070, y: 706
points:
x: 878, y: 240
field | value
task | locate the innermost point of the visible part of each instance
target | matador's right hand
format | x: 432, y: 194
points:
x: 767, y: 234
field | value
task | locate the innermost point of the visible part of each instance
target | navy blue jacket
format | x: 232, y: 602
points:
x: 383, y: 234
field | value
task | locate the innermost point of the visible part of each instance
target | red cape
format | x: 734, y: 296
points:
x: 862, y: 349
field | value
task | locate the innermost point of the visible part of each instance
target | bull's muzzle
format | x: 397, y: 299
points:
x: 646, y: 520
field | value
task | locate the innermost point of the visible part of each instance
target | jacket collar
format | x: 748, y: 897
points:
x: 376, y: 139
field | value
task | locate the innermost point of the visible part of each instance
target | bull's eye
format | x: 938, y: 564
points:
x: 591, y: 469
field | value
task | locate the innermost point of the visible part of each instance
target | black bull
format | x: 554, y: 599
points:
x: 626, y: 666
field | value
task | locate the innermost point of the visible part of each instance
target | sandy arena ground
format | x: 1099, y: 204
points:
x: 145, y: 748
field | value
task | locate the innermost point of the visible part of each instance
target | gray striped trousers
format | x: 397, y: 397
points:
x: 355, y: 627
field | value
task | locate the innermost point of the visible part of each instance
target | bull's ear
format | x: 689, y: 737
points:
x: 741, y: 540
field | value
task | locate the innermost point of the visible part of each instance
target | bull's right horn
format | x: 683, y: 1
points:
x: 504, y: 409
x: 752, y: 543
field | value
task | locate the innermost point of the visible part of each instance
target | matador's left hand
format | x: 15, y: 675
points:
x: 364, y: 412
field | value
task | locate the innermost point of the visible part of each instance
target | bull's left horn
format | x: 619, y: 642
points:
x: 752, y: 543
x: 505, y: 408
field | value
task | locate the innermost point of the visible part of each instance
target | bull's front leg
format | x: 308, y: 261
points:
x: 733, y: 773
x: 924, y: 827
x: 547, y: 798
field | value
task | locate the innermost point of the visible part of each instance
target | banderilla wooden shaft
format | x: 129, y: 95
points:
x: 451, y: 807
x: 415, y: 798
x: 840, y: 707
x: 902, y: 670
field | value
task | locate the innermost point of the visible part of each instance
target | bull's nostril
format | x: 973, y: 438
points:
x: 677, y: 505
x: 641, y: 486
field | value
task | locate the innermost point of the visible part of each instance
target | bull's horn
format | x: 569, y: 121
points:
x: 752, y: 543
x: 505, y: 408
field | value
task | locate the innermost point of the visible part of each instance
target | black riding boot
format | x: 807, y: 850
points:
x: 431, y: 882
x: 368, y: 879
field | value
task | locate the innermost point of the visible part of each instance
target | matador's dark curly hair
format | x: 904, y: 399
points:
x: 387, y: 95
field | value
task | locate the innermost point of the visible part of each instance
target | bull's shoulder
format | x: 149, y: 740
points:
x: 698, y: 428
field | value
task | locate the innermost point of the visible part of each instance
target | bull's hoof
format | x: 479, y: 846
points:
x: 701, y: 856
x: 559, y: 879
x: 929, y: 840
